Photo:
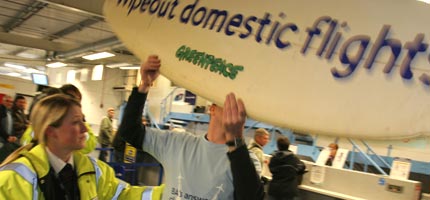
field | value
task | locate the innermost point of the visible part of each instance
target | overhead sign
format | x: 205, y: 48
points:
x: 346, y: 68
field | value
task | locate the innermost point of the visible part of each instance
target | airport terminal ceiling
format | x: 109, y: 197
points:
x: 37, y: 32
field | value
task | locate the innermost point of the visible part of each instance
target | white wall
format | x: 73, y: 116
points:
x: 19, y: 85
x: 97, y: 96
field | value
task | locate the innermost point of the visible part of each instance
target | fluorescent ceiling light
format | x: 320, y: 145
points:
x: 56, y: 65
x: 14, y: 74
x: 97, y: 73
x: 97, y: 56
x: 31, y: 70
x: 15, y: 66
x: 27, y: 55
x: 130, y: 67
x: 26, y: 78
x: 41, y: 68
x: 116, y: 65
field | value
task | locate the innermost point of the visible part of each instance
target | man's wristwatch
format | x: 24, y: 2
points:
x: 236, y: 142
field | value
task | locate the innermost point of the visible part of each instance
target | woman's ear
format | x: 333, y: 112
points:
x: 50, y: 131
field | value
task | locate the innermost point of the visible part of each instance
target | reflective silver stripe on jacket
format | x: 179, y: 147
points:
x: 121, y: 184
x: 147, y: 194
x: 119, y: 188
x: 25, y: 173
x: 31, y: 176
x: 96, y: 169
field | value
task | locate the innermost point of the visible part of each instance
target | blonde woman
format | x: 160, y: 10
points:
x: 54, y: 168
x: 74, y: 92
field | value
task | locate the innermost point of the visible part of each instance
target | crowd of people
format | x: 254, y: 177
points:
x: 43, y: 155
x: 13, y: 123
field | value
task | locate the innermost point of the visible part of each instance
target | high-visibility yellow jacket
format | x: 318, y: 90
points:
x: 90, y: 144
x: 96, y: 180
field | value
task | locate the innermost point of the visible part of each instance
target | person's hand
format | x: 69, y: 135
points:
x: 234, y: 117
x: 11, y: 139
x: 149, y: 71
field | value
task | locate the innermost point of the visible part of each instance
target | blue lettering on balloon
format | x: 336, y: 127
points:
x: 413, y: 47
x: 276, y: 30
x: 381, y: 41
x: 352, y: 62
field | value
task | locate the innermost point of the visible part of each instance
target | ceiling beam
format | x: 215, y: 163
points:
x: 118, y: 58
x: 101, y: 44
x: 71, y: 63
x: 75, y: 27
x: 21, y: 60
x: 26, y: 13
x: 121, y: 58
x: 92, y: 7
x: 44, y: 44
x: 18, y: 50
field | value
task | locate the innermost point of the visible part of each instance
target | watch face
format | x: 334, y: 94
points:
x: 236, y: 142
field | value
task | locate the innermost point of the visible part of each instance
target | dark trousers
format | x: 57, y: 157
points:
x: 103, y: 154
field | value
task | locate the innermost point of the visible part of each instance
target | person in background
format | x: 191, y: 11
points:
x: 333, y: 150
x: 53, y: 168
x: 214, y: 166
x: 119, y: 146
x: 123, y: 153
x: 256, y: 162
x: 6, y: 126
x: 285, y: 168
x: 20, y: 120
x: 106, y: 133
x: 28, y: 134
x: 261, y: 137
x: 71, y: 91
x: 7, y: 138
x: 44, y: 93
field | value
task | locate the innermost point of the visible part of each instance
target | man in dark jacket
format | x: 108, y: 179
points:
x: 7, y: 139
x: 285, y: 168
x: 20, y: 120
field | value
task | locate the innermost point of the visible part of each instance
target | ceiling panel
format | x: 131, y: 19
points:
x: 39, y: 31
x: 9, y: 9
x: 90, y: 34
x: 7, y: 47
x: 48, y: 21
x: 31, y: 53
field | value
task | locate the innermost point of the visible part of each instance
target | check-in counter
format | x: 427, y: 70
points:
x: 324, y: 182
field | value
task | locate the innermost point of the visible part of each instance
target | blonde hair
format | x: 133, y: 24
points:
x: 260, y: 132
x: 50, y: 111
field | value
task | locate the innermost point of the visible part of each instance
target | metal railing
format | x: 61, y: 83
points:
x: 166, y: 106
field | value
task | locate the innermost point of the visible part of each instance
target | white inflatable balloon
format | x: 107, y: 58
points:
x: 347, y: 68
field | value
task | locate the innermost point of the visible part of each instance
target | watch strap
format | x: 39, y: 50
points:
x: 236, y: 142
